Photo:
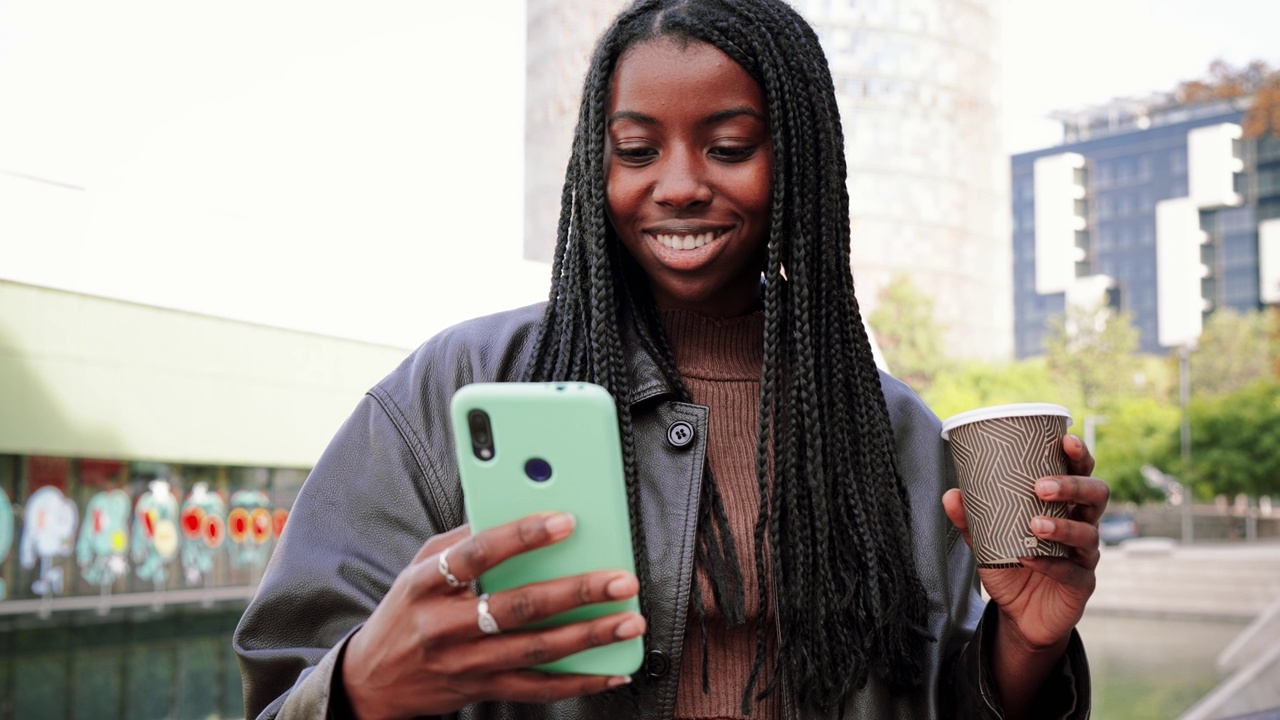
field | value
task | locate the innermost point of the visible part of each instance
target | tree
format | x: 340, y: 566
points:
x: 1094, y: 351
x: 1235, y: 441
x: 909, y: 336
x: 1256, y: 80
x: 1138, y: 431
x: 1234, y: 350
x: 976, y: 384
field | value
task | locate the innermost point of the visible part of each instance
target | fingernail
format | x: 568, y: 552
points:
x: 1041, y: 525
x: 618, y: 680
x: 1048, y: 487
x: 622, y: 587
x: 631, y: 627
x: 560, y: 524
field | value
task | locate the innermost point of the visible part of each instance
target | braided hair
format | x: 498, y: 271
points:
x: 834, y: 514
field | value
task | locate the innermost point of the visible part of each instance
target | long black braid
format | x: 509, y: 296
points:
x: 834, y: 515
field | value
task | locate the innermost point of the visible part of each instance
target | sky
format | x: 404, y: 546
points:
x: 1059, y: 55
x: 355, y: 169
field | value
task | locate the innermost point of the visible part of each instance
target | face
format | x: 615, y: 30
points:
x: 688, y: 174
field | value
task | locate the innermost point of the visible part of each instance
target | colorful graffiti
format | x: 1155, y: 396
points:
x: 96, y: 535
x: 104, y: 539
x: 204, y: 528
x: 49, y: 525
x: 155, y: 532
x: 249, y: 527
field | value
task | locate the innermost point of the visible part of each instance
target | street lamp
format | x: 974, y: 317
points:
x: 1184, y: 400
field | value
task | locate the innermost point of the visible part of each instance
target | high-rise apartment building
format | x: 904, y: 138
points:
x: 1158, y: 208
x: 917, y: 83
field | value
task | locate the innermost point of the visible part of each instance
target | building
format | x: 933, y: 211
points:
x: 917, y: 83
x: 1156, y: 208
x: 148, y: 461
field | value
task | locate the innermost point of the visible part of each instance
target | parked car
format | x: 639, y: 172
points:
x: 1115, y: 527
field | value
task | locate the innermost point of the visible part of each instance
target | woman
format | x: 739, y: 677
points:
x: 800, y: 558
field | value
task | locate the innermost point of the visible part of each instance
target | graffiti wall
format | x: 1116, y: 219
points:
x: 71, y: 526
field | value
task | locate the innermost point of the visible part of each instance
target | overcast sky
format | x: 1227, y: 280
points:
x: 355, y: 169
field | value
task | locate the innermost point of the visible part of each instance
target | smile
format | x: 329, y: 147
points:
x: 685, y: 242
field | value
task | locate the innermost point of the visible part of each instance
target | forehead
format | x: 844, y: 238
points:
x: 670, y: 76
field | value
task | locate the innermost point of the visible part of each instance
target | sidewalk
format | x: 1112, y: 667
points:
x: 1157, y: 577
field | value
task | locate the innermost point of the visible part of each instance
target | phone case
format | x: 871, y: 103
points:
x: 573, y: 428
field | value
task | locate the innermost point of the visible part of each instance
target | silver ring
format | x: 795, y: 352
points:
x: 444, y: 569
x: 485, y: 618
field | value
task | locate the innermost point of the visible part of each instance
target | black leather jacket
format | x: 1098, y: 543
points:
x: 388, y: 482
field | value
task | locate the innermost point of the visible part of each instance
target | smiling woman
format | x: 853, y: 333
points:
x: 800, y: 548
x: 689, y: 170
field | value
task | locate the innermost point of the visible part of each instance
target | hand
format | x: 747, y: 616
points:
x: 422, y: 651
x: 1046, y: 597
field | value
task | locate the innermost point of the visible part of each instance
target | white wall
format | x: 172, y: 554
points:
x: 1179, y: 272
x: 81, y: 376
x: 1056, y: 192
x: 1212, y: 165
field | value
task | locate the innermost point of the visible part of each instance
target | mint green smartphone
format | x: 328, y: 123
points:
x: 532, y: 447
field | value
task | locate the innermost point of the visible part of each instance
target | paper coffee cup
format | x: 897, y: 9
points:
x: 999, y: 453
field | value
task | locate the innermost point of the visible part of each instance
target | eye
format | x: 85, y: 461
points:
x: 732, y: 153
x: 634, y: 154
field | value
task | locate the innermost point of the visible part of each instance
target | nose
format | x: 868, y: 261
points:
x: 682, y: 182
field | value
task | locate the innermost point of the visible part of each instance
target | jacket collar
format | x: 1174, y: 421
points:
x: 647, y: 381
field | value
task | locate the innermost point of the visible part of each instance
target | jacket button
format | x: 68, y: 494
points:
x: 680, y: 433
x: 656, y: 664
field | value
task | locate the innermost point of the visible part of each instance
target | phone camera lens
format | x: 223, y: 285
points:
x: 538, y: 470
x: 481, y: 437
x: 479, y: 426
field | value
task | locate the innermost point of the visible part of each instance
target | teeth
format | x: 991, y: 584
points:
x: 686, y: 242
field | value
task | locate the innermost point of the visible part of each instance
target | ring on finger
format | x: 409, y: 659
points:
x: 485, y: 619
x: 444, y: 569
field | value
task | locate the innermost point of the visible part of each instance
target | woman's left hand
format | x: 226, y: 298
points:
x: 1046, y: 597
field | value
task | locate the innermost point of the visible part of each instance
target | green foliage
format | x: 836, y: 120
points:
x: 909, y: 336
x: 1093, y: 351
x: 1235, y: 442
x: 1234, y: 350
x: 1094, y: 370
x: 1136, y: 432
x: 973, y: 385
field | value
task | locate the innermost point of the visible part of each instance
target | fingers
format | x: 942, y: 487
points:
x: 953, y: 505
x: 539, y: 601
x: 1081, y: 537
x: 441, y: 541
x: 1088, y: 495
x: 486, y: 549
x: 513, y: 651
x: 1079, y: 459
x: 531, y: 686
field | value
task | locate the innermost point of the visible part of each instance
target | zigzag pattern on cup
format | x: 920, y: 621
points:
x: 998, y: 462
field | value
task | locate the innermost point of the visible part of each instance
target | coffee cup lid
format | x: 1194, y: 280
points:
x: 1003, y: 411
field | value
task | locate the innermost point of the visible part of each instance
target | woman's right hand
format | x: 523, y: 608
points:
x: 422, y: 651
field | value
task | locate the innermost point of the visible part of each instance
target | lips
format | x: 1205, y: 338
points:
x: 685, y: 242
x: 685, y: 236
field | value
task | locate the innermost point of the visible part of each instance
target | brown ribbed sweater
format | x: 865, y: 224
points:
x: 720, y: 361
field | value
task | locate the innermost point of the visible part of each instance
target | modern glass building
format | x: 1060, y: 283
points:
x: 1156, y: 208
x: 918, y: 87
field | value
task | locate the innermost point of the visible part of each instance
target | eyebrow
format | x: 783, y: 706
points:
x: 712, y: 119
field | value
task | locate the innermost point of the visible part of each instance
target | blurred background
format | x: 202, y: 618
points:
x: 219, y: 224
